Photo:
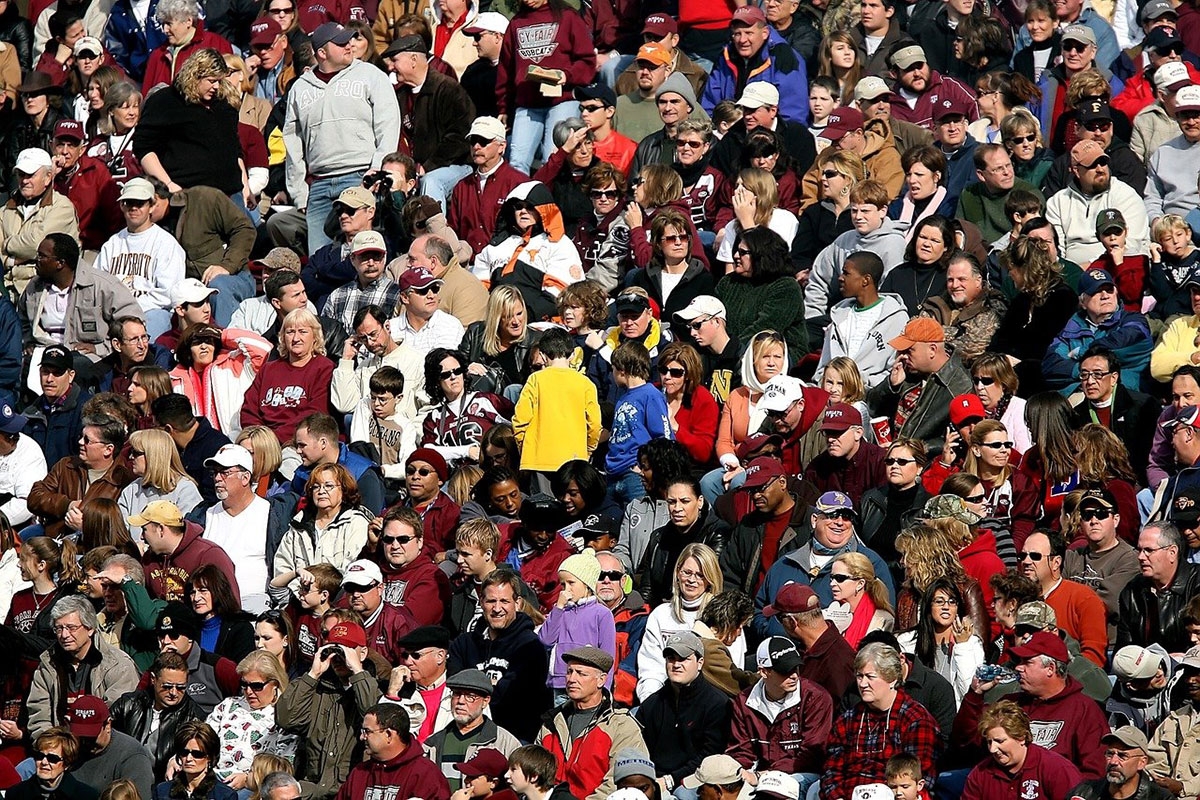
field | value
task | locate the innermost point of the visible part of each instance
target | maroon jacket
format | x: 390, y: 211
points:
x: 550, y: 39
x: 167, y: 574
x: 159, y: 66
x: 473, y: 212
x: 410, y: 773
x: 420, y: 586
x: 941, y: 87
x: 392, y: 625
x: 93, y: 192
x: 1043, y: 776
x: 538, y: 568
x: 794, y: 742
x: 440, y: 519
x: 829, y: 663
x: 854, y: 477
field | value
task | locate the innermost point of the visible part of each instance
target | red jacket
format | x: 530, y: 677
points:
x: 385, y: 633
x: 1133, y: 276
x: 167, y: 574
x: 538, y: 568
x: 420, y: 586
x: 980, y: 561
x: 1070, y: 724
x: 698, y: 425
x: 440, y: 519
x: 282, y: 395
x: 1139, y: 93
x: 940, y: 88
x: 1043, y: 776
x: 93, y: 192
x: 550, y: 39
x: 473, y: 212
x: 161, y: 68
x: 794, y: 742
x: 410, y: 774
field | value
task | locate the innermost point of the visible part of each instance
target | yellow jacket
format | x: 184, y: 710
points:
x: 1175, y: 349
x: 547, y: 421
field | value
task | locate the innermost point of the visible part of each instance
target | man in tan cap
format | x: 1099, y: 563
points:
x: 1072, y: 210
x: 1126, y: 757
x: 919, y: 88
x: 923, y: 380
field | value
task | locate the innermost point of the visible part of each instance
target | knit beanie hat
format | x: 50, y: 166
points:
x: 584, y: 566
x: 433, y: 458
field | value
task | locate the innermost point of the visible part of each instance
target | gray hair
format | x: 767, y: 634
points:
x: 565, y: 128
x: 439, y: 248
x: 75, y: 604
x: 276, y: 780
x: 175, y: 10
x: 132, y: 567
x: 885, y: 658
x: 1060, y: 667
x: 1168, y: 534
x: 701, y: 127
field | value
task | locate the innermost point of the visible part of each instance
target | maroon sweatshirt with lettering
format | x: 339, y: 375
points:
x: 551, y: 40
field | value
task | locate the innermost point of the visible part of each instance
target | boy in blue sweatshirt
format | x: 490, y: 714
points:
x: 641, y: 415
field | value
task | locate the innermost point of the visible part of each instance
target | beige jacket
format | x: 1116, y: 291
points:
x: 460, y: 50
x: 21, y: 237
x: 1175, y: 750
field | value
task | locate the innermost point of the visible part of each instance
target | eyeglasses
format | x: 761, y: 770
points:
x: 904, y: 462
x: 1098, y: 125
x: 1101, y: 161
x: 326, y: 488
x: 254, y: 686
x: 841, y: 578
x: 674, y: 372
x: 65, y: 628
x: 424, y: 472
x: 452, y: 373
x: 588, y: 109
x: 143, y: 339
x: 1145, y: 551
x: 1094, y: 513
x: 403, y: 539
x: 830, y: 174
x: 983, y: 381
x: 943, y: 601
x: 355, y: 588
x: 613, y: 575
x: 52, y: 758
x: 1094, y: 375
x: 199, y: 755
x: 416, y: 654
x: 1030, y: 139
x: 975, y: 498
x: 1034, y: 557
x: 675, y: 238
x: 997, y: 445
x: 606, y: 194
x: 173, y: 687
x: 136, y: 453
x: 1075, y: 47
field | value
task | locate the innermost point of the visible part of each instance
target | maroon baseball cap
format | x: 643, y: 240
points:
x: 69, y: 129
x: 1042, y: 643
x: 762, y: 471
x: 87, y: 716
x: 793, y: 598
x: 417, y: 278
x: 659, y: 25
x: 264, y: 31
x: 949, y: 106
x: 755, y: 442
x: 489, y: 762
x: 842, y: 121
x: 749, y: 15
x: 841, y: 417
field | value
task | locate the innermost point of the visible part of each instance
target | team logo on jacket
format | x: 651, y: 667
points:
x: 1030, y: 789
x: 537, y: 41
x: 1045, y: 732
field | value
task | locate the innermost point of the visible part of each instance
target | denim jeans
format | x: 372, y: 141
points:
x: 231, y: 291
x: 712, y: 484
x: 612, y: 70
x: 624, y: 489
x: 533, y: 133
x: 321, y: 195
x: 158, y: 321
x: 439, y: 183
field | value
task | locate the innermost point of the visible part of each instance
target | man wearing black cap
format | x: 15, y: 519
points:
x: 435, y: 114
x: 585, y: 732
x: 1095, y: 123
x: 337, y: 127
x: 597, y: 105
x: 1185, y: 515
x: 56, y: 416
x: 470, y: 729
x: 418, y: 681
x: 211, y: 678
x: 22, y: 463
x: 1107, y: 563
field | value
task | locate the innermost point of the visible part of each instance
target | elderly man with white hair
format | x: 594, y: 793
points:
x: 34, y: 210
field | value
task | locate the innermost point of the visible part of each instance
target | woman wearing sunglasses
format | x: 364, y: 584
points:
x: 245, y: 724
x: 969, y: 489
x: 54, y: 753
x: 459, y: 417
x: 838, y: 171
x: 1022, y: 137
x: 884, y: 510
x: 693, y: 410
x: 996, y: 383
x: 860, y: 600
x: 330, y: 529
x: 674, y: 276
x: 602, y: 237
x: 1009, y: 496
x: 196, y: 752
x: 928, y: 555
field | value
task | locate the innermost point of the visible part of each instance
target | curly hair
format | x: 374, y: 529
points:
x: 927, y: 554
x: 591, y: 297
x: 1041, y: 272
x: 206, y: 63
x: 1101, y: 456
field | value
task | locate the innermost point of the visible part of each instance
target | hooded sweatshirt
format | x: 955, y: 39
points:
x: 886, y: 241
x: 167, y: 574
x: 409, y: 774
x: 873, y: 354
x: 741, y: 416
x: 549, y: 39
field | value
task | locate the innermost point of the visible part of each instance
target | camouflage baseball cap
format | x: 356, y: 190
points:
x: 949, y: 505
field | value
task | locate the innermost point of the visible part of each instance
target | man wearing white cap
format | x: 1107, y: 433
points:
x: 371, y: 285
x: 704, y: 320
x: 759, y: 102
x: 873, y: 98
x: 476, y: 199
x: 145, y: 257
x: 338, y: 126
x: 1155, y: 125
x: 479, y: 78
x: 238, y: 523
x: 192, y: 301
x: 33, y: 211
x: 723, y: 775
x: 1175, y: 166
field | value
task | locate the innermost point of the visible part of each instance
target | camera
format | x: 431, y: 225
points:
x: 995, y: 672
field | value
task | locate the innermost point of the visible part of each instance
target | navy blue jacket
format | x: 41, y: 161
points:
x: 325, y: 271
x: 57, y: 428
x: 127, y: 43
x: 10, y: 352
x: 204, y: 445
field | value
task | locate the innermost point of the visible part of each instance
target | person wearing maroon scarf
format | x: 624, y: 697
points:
x: 88, y: 184
x: 424, y: 473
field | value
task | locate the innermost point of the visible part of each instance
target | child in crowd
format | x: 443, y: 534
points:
x: 476, y: 543
x: 822, y: 100
x: 903, y: 774
x: 641, y: 415
x: 577, y: 619
x: 392, y: 433
x: 318, y: 585
x: 534, y: 548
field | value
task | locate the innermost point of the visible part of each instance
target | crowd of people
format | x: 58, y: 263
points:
x: 609, y: 400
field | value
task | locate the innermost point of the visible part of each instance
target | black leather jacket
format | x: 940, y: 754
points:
x: 658, y: 561
x: 496, y: 379
x: 132, y: 712
x: 18, y: 31
x: 1146, y: 618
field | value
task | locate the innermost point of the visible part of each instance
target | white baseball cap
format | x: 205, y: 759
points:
x: 704, y: 305
x: 231, y: 455
x: 488, y: 21
x: 780, y: 392
x: 773, y: 783
x: 488, y: 128
x: 759, y: 94
x: 32, y: 159
x: 190, y: 290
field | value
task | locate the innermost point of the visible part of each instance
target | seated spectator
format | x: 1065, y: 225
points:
x: 245, y: 725
x: 1169, y: 771
x: 197, y: 749
x: 757, y: 49
x: 420, y: 322
x: 56, y: 752
x: 917, y: 80
x: 131, y: 349
x: 22, y: 463
x: 1169, y: 188
x: 216, y: 368
x: 1172, y: 264
x: 330, y: 266
x: 983, y: 202
x: 56, y: 416
x: 461, y: 295
x: 287, y: 390
x: 1155, y: 125
x: 1071, y: 209
x: 1115, y: 405
x: 183, y: 25
x: 174, y: 549
x: 410, y: 578
x: 1095, y: 121
x: 87, y: 183
x: 1165, y: 582
x: 36, y: 211
x: 1005, y: 729
x: 969, y: 309
x: 370, y: 286
x: 317, y: 444
x: 195, y: 438
x: 851, y: 463
x: 850, y: 132
x: 166, y: 701
x: 1079, y: 610
x: 227, y: 630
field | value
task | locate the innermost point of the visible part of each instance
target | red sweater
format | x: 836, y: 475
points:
x: 166, y: 575
x: 539, y: 568
x: 161, y: 69
x: 697, y: 430
x: 473, y: 212
x: 419, y: 586
x: 282, y: 395
x: 385, y: 633
x: 93, y: 192
x: 1081, y: 613
x: 1045, y: 775
x: 409, y: 774
x: 549, y: 39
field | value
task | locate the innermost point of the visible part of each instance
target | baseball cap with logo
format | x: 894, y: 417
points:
x: 841, y: 417
x: 487, y: 128
x: 87, y: 716
x: 952, y: 107
x: 88, y: 45
x: 177, y: 619
x: 367, y: 242
x: 1080, y: 34
x: 1134, y: 663
x: 1188, y: 99
x: 138, y: 190
x: 1191, y: 659
x: 231, y: 455
x: 1172, y: 75
x: 704, y: 305
x: 264, y: 32
x: 779, y: 653
x: 921, y: 329
x: 841, y: 121
x: 755, y: 442
x: 871, y: 88
x: 659, y: 25
x: 792, y: 598
x: 489, y: 762
x: 350, y: 634
x: 684, y: 644
x: 762, y: 471
x: 1188, y: 415
x: 331, y: 32
x: 718, y: 770
x: 417, y: 278
x: 1042, y: 643
x: 780, y: 392
x: 488, y: 22
x: 1128, y: 736
x: 775, y: 784
x: 356, y: 197
x: 10, y: 421
x: 1161, y: 39
x: 362, y: 573
x: 57, y: 358
x: 1093, y: 280
x: 906, y: 57
x: 1185, y: 508
x: 966, y: 407
x: 759, y: 94
x: 1156, y: 9
x: 278, y: 258
x: 1098, y: 498
x: 872, y: 791
x: 1094, y: 110
x: 1110, y: 219
x: 595, y: 91
x: 655, y: 53
x: 160, y: 512
x: 834, y: 501
x: 69, y: 129
x: 748, y: 15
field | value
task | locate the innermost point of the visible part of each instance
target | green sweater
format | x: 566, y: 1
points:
x: 778, y: 306
x: 977, y: 204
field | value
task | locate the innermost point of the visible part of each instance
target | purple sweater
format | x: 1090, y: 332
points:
x: 587, y: 622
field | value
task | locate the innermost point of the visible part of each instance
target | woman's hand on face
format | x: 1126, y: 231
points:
x: 745, y: 204
x: 573, y: 141
x: 237, y: 780
x: 633, y: 215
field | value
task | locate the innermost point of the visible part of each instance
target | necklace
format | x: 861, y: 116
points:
x: 39, y: 605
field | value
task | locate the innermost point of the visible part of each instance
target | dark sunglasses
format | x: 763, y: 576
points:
x: 839, y: 515
x: 674, y: 372
x: 1030, y: 139
x: 53, y: 758
x: 478, y: 141
x: 173, y: 687
x: 199, y: 755
x: 997, y: 445
x: 424, y: 472
x: 590, y: 108
x: 426, y: 291
x: 914, y: 66
x: 1034, y: 557
x: 981, y: 380
x: 254, y: 686
x: 611, y: 575
x: 1101, y: 161
x: 830, y: 174
x: 904, y: 462
x: 675, y: 238
x: 840, y: 578
x: 1098, y: 125
x: 1074, y: 47
x: 403, y: 539
x: 136, y: 453
x: 356, y: 588
x: 450, y: 373
x: 1094, y: 513
x: 606, y: 193
x: 975, y: 498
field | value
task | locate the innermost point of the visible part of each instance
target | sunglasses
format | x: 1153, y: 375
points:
x: 452, y: 373
x: 1034, y: 557
x: 997, y: 445
x: 611, y: 575
x: 254, y: 686
x: 839, y: 515
x: 904, y: 462
x: 478, y: 141
x: 1030, y: 139
x: 674, y: 372
x: 975, y: 498
x: 404, y: 539
x: 982, y: 381
x: 173, y: 687
x: 840, y: 578
x: 136, y: 453
x: 605, y: 194
x: 1094, y: 513
x: 1101, y: 161
x: 426, y: 291
x: 199, y: 755
x: 53, y: 758
x: 424, y: 472
x: 689, y: 144
x: 698, y: 324
x: 740, y: 251
x: 675, y: 238
x: 591, y: 108
x: 1098, y: 125
x: 1075, y: 47
x: 355, y: 588
x: 830, y: 174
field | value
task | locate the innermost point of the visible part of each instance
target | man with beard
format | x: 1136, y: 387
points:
x: 1073, y: 210
x: 470, y: 729
x: 1126, y: 760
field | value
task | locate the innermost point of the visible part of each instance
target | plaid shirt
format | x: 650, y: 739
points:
x: 863, y: 739
x: 345, y: 301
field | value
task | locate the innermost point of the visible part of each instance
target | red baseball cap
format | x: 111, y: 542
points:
x: 87, y: 716
x: 793, y: 598
x: 350, y: 634
x: 842, y: 121
x: 965, y: 407
x: 264, y: 32
x: 1042, y: 643
x: 749, y: 15
x: 841, y: 417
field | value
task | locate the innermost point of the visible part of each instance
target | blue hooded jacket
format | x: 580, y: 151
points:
x: 777, y: 64
x: 1126, y: 333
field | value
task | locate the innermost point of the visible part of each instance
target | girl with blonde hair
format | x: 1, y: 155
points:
x: 500, y: 343
x: 154, y: 459
x: 755, y: 205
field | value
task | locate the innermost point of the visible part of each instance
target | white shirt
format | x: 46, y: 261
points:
x: 442, y: 330
x: 244, y: 539
x: 19, y: 470
x: 782, y: 222
x: 150, y: 263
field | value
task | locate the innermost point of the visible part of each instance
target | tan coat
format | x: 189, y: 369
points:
x: 21, y: 237
x: 880, y: 155
x: 1175, y: 750
x: 460, y: 50
x: 10, y: 71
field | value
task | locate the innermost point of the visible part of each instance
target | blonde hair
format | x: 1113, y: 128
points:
x: 956, y: 531
x: 303, y: 317
x: 234, y: 61
x: 268, y: 455
x: 662, y: 185
x: 263, y: 765
x: 164, y: 467
x: 462, y: 482
x: 1168, y: 223
x: 853, y: 387
x: 479, y: 532
x: 1087, y: 84
x: 982, y: 429
x: 710, y: 568
x: 502, y: 304
x: 206, y: 63
x: 766, y: 192
x: 267, y: 665
x: 860, y: 568
x: 928, y: 555
x: 121, y: 789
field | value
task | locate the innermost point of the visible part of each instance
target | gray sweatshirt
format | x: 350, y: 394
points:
x: 125, y: 757
x: 1171, y: 183
x: 886, y: 241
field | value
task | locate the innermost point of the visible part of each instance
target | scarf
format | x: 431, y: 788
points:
x: 691, y: 174
x: 861, y: 622
x: 651, y: 338
x: 909, y: 213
